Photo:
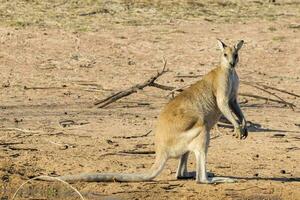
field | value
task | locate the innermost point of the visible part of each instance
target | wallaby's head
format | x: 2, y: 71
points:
x: 230, y: 56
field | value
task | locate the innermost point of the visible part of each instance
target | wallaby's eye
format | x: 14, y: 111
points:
x: 225, y: 54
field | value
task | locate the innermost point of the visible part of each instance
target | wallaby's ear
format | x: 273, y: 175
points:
x: 221, y: 44
x: 239, y: 45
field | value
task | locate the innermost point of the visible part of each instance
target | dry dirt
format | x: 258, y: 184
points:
x: 59, y: 57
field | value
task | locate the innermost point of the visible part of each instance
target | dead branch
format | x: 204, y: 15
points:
x: 22, y: 149
x: 163, y: 87
x: 131, y: 152
x: 281, y: 101
x: 134, y: 136
x: 42, y: 88
x: 18, y: 129
x: 273, y: 88
x: 188, y: 76
x: 138, y: 152
x: 150, y: 82
x: 9, y: 143
x: 271, y: 93
x: 242, y: 189
x: 266, y: 98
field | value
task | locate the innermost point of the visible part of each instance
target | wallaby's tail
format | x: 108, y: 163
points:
x: 157, y: 167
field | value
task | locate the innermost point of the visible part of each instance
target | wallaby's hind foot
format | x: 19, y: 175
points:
x: 192, y: 175
x: 214, y: 180
x: 182, y: 172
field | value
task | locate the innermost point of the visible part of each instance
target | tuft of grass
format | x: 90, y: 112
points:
x: 85, y: 15
x: 294, y: 26
x: 279, y: 38
x: 271, y: 28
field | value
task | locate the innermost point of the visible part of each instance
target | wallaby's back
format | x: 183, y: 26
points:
x: 195, y: 106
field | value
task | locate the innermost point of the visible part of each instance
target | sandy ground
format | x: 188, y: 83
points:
x: 54, y: 69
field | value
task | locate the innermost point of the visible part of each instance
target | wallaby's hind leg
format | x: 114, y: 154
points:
x: 182, y: 172
x: 201, y: 172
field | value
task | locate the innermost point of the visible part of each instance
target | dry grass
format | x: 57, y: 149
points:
x: 89, y: 15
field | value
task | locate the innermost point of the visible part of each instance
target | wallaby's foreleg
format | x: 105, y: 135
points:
x: 224, y: 107
x: 234, y: 105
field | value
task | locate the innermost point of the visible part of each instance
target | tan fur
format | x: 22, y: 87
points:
x: 185, y: 122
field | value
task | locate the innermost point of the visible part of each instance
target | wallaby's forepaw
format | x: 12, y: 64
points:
x: 241, y: 132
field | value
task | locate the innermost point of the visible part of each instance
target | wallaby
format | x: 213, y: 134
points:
x: 184, y: 124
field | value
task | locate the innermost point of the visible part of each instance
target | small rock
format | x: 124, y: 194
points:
x: 140, y: 166
x: 109, y: 141
x: 282, y: 171
x: 130, y: 62
x: 64, y: 147
x: 5, y: 178
x: 18, y: 120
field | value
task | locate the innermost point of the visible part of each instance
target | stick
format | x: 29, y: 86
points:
x: 22, y: 149
x: 9, y: 143
x: 275, y: 95
x: 265, y: 98
x: 104, y: 102
x: 246, y: 188
x: 163, y: 87
x: 41, y: 88
x: 134, y: 136
x: 124, y: 153
x: 273, y: 88
x: 137, y: 152
x: 18, y: 129
x: 188, y: 76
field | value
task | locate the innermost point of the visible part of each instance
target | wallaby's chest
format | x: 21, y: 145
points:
x: 234, y: 79
x: 231, y: 83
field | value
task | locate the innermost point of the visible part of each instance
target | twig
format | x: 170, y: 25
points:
x: 104, y: 102
x: 47, y: 178
x: 22, y: 149
x: 134, y: 136
x: 214, y: 137
x: 9, y: 143
x: 273, y: 88
x: 18, y: 129
x: 124, y: 153
x: 138, y: 152
x: 271, y: 93
x: 266, y: 98
x: 188, y: 76
x: 246, y: 188
x: 41, y: 88
x: 178, y: 89
x: 163, y: 87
